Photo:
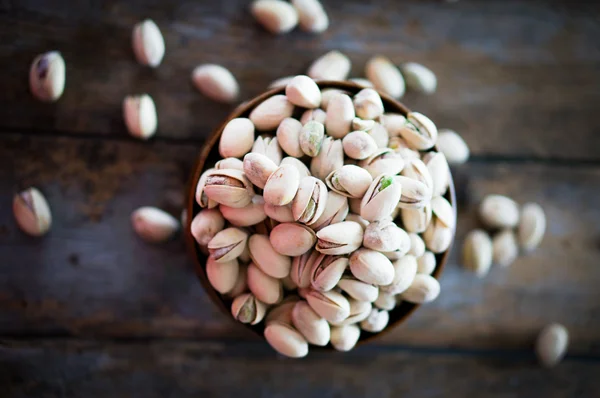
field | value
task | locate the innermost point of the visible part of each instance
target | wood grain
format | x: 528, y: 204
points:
x: 92, y: 277
x: 517, y: 79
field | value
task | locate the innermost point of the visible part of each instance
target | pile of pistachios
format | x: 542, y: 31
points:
x: 323, y: 214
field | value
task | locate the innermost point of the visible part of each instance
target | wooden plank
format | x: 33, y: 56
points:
x: 91, y: 276
x: 515, y: 78
x: 189, y: 369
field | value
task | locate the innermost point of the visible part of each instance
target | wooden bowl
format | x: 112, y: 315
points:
x: 210, y: 154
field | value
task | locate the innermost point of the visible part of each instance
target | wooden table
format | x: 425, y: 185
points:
x: 90, y: 310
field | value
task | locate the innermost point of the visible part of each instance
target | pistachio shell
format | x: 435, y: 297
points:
x: 340, y: 113
x: 152, y: 224
x: 206, y: 225
x: 385, y: 76
x: 33, y: 216
x: 229, y: 187
x: 328, y: 94
x: 247, y: 309
x: 344, y: 338
x: 368, y: 104
x: 222, y: 275
x: 380, y: 135
x: 405, y: 270
x: 311, y: 325
x: 139, y: 113
x: 288, y: 136
x: 268, y: 114
x: 264, y: 287
x: 276, y: 16
x: 279, y: 213
x: 376, y: 321
x: 417, y: 246
x: 282, y: 185
x: 268, y: 146
x: 358, y: 289
x: 417, y: 170
x: 393, y: 122
x: 302, y: 91
x: 47, y: 76
x: 419, y: 78
x: 423, y: 289
x: 237, y: 138
x: 216, y: 82
x: 359, y: 145
x: 452, y: 146
x: 302, y: 266
x: 419, y: 131
x: 414, y: 193
x: 383, y: 161
x: 351, y: 181
x: 267, y: 259
x: 330, y: 305
x: 477, y: 252
x: 504, y: 248
x: 371, y: 266
x: 330, y: 158
x: 359, y: 311
x: 438, y: 236
x: 282, y: 312
x: 331, y: 66
x: 302, y: 169
x: 201, y: 197
x: 416, y: 219
x: 341, y: 238
x: 286, y: 340
x: 551, y: 344
x: 227, y: 244
x: 381, y: 198
x: 310, y: 201
x: 444, y: 212
x: 148, y: 43
x: 292, y: 239
x: 385, y: 236
x: 252, y: 214
x: 497, y: 211
x: 362, y: 125
x: 318, y: 115
x: 440, y: 172
x: 258, y: 168
x: 426, y: 263
x: 313, y: 17
x: 240, y: 286
x: 532, y: 226
x: 311, y: 138
x: 326, y: 272
x: 385, y: 301
x: 230, y: 163
x: 335, y: 211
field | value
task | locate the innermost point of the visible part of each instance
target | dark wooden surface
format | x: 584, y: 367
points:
x: 90, y: 310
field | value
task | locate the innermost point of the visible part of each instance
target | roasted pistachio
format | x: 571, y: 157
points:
x: 269, y: 114
x: 330, y: 158
x: 288, y: 137
x: 497, y: 211
x: 359, y: 311
x: 47, y: 76
x: 248, y: 309
x: 426, y: 263
x: 383, y: 161
x: 310, y: 201
x: 227, y: 244
x: 318, y: 115
x: 415, y: 194
x: 302, y: 91
x: 340, y: 113
x: 385, y: 301
x: 237, y: 138
x: 477, y: 252
x: 341, y: 238
x: 282, y: 185
x: 206, y: 225
x: 386, y: 236
x: 266, y: 258
x: 292, y: 239
x: 311, y: 138
x: 326, y: 272
x: 268, y: 146
x: 344, y: 338
x: 376, y: 321
x: 33, y: 216
x: 380, y: 135
x: 330, y: 305
x: 252, y: 214
x: 358, y: 289
x: 368, y: 104
x: 440, y: 172
x: 453, y: 146
x: 381, y: 198
x: 423, y: 289
x: 279, y: 213
x: 419, y: 131
x: 505, y: 248
x: 264, y: 287
x: 230, y: 163
x: 532, y: 226
x: 311, y: 325
x: 416, y: 219
x: 335, y: 211
x: 417, y: 170
x: 437, y: 236
x: 359, y: 145
x: 551, y: 344
x: 405, y: 270
x: 372, y: 267
x: 285, y: 339
x: 229, y: 187
x: 351, y: 181
x: 222, y: 275
x: 152, y: 224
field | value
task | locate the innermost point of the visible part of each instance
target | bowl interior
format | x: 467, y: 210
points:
x: 210, y: 154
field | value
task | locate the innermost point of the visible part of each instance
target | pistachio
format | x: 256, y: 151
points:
x: 245, y: 216
x: 440, y: 172
x: 264, y: 287
x: 33, y: 216
x: 292, y: 239
x: 340, y: 113
x: 381, y: 198
x: 302, y: 91
x: 417, y: 170
x: 423, y: 289
x: 393, y: 122
x: 361, y: 82
x: 258, y: 168
x: 148, y: 43
x: 47, y: 76
x: 358, y: 289
x: 419, y: 78
x: 206, y: 225
x: 414, y: 193
x: 362, y: 125
x: 229, y: 187
x: 426, y: 263
x: 268, y: 114
x: 318, y: 115
x: 282, y: 185
x: 386, y: 236
x: 477, y: 252
x: 385, y: 301
x: 276, y: 16
x: 302, y: 169
x: 416, y: 219
x: 222, y: 275
x: 331, y: 66
x: 248, y: 309
x: 330, y: 305
x: 376, y: 321
x: 380, y: 135
x: 237, y: 138
x: 335, y: 211
x: 227, y: 244
x: 351, y: 181
x: 216, y: 82
x: 341, y: 238
x: 359, y: 145
x: 551, y: 344
x: 151, y: 224
x: 279, y: 213
x: 230, y: 163
x: 405, y: 270
x: 241, y: 283
x: 288, y: 136
x: 371, y: 266
x: 286, y: 340
x: 443, y: 211
x: 452, y: 146
x: 269, y: 147
x: 419, y: 132
x: 267, y: 259
x: 359, y: 311
x: 504, y: 248
x: 201, y: 198
x: 302, y: 267
x: 368, y: 104
x: 344, y: 338
x: 438, y: 236
x: 385, y: 76
x: 311, y: 325
x: 383, y: 161
x: 326, y: 272
x: 532, y: 226
x: 310, y: 201
x: 417, y: 245
x: 328, y: 94
x: 357, y: 219
x: 282, y: 312
x: 311, y: 138
x: 313, y: 17
x: 139, y: 114
x: 330, y: 158
x: 281, y: 82
x: 497, y: 211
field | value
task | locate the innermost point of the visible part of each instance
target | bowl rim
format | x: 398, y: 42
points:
x: 399, y: 314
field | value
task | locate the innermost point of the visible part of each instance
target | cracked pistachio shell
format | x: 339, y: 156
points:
x: 282, y: 185
x: 222, y: 275
x: 311, y: 138
x: 330, y: 305
x: 341, y: 238
x: 312, y: 15
x: 386, y: 77
x: 335, y: 211
x: 344, y: 338
x: 405, y: 270
x: 440, y: 172
x: 380, y: 135
x: 371, y: 266
x: 228, y: 244
x: 350, y: 180
x: 444, y: 212
x: 423, y: 289
x: 330, y: 158
x: 452, y: 146
x: 415, y: 194
x: 302, y: 266
x: 270, y: 113
x: 252, y: 214
x: 497, y: 211
x: 229, y: 163
x: 311, y: 325
x: 340, y: 113
x: 285, y: 339
x: 139, y: 113
x: 551, y: 344
x: 328, y: 94
x: 383, y: 161
x: 206, y: 225
x: 331, y: 66
x: 385, y: 236
x: 279, y: 213
x: 419, y: 132
x: 359, y: 124
x: 264, y: 287
x: 240, y: 286
x: 393, y: 122
x: 381, y: 198
x: 201, y: 197
x: 229, y: 187
x: 327, y: 271
x: 150, y: 223
x: 368, y: 104
x: 282, y: 312
x: 359, y: 145
x: 47, y: 76
x: 477, y: 252
x: 358, y: 289
x: 216, y: 82
x: 310, y: 201
x: 317, y: 115
x: 419, y: 78
x: 298, y: 164
x: 237, y: 138
x: 248, y: 309
x: 258, y: 168
x: 281, y: 82
x: 417, y: 245
x: 437, y: 236
x: 268, y: 146
x: 265, y: 257
x: 417, y: 170
x: 292, y: 239
x: 33, y: 216
x: 426, y: 263
x: 359, y: 311
x: 504, y: 248
x: 357, y: 219
x: 376, y: 321
x: 385, y: 301
x: 532, y: 226
x: 416, y: 219
x: 302, y: 91
x: 276, y: 16
x: 288, y: 137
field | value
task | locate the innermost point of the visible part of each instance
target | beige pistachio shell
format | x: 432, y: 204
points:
x: 386, y: 77
x: 551, y: 344
x: 358, y: 289
x: 222, y: 275
x: 477, y: 252
x: 372, y: 267
x: 216, y: 82
x: 228, y: 244
x: 340, y: 113
x: 206, y: 225
x: 419, y: 132
x: 292, y: 239
x: 368, y: 104
x: 381, y: 198
x: 383, y: 161
x: 359, y: 145
x: 505, y: 248
x: 288, y: 137
x: 237, y: 138
x: 440, y: 172
x: 312, y: 15
x: 385, y: 301
x: 344, y: 338
x: 310, y: 201
x: 32, y: 213
x: 201, y: 197
x: 268, y: 146
x: 385, y: 236
x: 380, y: 135
x: 443, y: 211
x: 417, y: 170
x: 359, y: 311
x: 258, y: 168
x: 318, y: 115
x: 423, y: 289
x: 416, y: 220
x: 47, y: 76
x: 270, y: 113
x: 328, y: 94
x: 276, y: 16
x: 311, y: 138
x: 267, y: 259
x: 330, y: 158
x: 286, y: 340
x: 148, y: 43
x: 359, y: 124
x: 252, y: 214
x: 229, y: 187
x: 331, y: 66
x: 302, y: 267
x: 139, y: 113
x: 419, y: 78
x: 341, y: 238
x: 376, y: 321
x: 150, y: 223
x: 335, y: 211
x: 241, y: 283
x: 229, y: 163
x: 417, y: 245
x: 298, y: 164
x: 282, y: 312
x: 405, y: 270
x: 426, y: 263
x: 302, y: 91
x: 326, y: 272
x: 393, y: 122
x: 497, y: 211
x: 282, y: 185
x: 311, y: 325
x: 452, y: 146
x: 264, y: 287
x: 415, y: 194
x: 330, y: 305
x: 279, y: 213
x: 350, y: 180
x: 248, y: 309
x: 532, y: 226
